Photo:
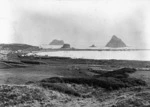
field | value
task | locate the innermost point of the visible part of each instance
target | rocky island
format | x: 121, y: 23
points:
x: 115, y: 42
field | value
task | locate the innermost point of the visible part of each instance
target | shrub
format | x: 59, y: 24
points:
x: 60, y: 88
x: 120, y: 73
x: 109, y: 83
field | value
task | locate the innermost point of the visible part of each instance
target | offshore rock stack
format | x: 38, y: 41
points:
x: 57, y: 42
x: 115, y: 42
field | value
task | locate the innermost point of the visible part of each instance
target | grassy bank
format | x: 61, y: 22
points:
x: 112, y: 80
x: 70, y: 83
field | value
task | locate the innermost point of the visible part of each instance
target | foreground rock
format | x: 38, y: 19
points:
x: 115, y: 42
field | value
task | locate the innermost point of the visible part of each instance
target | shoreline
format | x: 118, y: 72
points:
x: 112, y: 49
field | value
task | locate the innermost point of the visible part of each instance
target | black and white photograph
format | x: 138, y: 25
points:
x: 74, y: 53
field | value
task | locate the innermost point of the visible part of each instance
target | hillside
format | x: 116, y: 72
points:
x: 15, y: 47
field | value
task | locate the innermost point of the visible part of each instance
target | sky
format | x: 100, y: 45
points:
x: 77, y: 22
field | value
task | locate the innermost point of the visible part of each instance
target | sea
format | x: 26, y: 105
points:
x: 141, y: 55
